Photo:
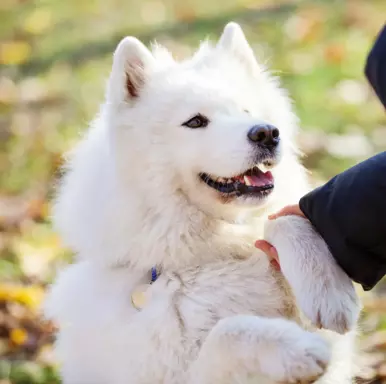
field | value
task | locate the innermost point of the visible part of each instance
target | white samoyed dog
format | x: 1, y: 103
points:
x: 171, y: 186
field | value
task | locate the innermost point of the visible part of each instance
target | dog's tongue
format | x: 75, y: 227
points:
x: 261, y: 179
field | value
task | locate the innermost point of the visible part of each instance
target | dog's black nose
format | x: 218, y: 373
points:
x: 264, y: 134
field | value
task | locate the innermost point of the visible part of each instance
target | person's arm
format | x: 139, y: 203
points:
x: 375, y: 69
x: 349, y: 212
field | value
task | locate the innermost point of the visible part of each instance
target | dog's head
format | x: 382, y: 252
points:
x: 214, y: 127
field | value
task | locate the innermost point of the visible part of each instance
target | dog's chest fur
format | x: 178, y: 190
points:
x: 167, y: 333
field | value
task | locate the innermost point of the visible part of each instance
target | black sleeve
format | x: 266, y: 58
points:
x: 349, y: 212
x: 375, y: 69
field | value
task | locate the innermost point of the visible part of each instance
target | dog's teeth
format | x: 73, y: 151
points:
x: 246, y: 181
x: 221, y: 180
x: 266, y: 166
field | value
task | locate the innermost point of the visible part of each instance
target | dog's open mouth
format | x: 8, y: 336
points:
x: 253, y: 182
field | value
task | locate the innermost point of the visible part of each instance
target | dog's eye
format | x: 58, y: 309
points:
x: 198, y: 121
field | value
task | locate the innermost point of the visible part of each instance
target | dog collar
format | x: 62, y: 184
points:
x: 154, y: 275
x: 140, y: 294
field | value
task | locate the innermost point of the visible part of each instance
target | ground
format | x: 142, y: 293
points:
x: 54, y: 57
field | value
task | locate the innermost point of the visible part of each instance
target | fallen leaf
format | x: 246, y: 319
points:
x: 14, y: 52
x: 18, y: 336
x: 38, y: 21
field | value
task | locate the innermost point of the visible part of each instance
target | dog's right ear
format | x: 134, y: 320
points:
x: 234, y: 41
x: 132, y: 63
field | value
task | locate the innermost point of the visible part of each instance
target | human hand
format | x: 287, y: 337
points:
x: 270, y: 251
x: 268, y: 248
x: 286, y: 211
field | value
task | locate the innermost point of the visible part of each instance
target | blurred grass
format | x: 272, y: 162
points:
x: 54, y: 59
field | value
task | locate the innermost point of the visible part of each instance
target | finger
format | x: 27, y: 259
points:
x: 275, y: 264
x: 270, y: 251
x: 263, y: 245
x: 267, y: 248
x: 286, y: 211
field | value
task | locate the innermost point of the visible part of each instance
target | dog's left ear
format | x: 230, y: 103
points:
x: 132, y: 63
x: 234, y: 41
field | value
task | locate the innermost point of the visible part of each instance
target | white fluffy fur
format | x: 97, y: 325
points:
x: 132, y: 199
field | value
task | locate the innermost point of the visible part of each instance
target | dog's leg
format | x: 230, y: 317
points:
x: 242, y: 348
x: 323, y: 291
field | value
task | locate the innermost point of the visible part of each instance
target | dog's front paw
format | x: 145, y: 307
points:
x: 302, y: 357
x: 322, y: 289
x: 250, y: 346
x: 339, y: 311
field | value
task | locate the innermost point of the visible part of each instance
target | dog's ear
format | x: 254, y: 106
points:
x: 132, y: 63
x: 234, y: 41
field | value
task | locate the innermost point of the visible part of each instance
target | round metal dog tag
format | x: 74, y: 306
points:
x: 140, y: 296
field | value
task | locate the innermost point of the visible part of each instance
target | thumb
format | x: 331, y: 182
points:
x: 267, y: 248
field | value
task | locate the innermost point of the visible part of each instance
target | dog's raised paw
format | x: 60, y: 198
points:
x: 338, y: 314
x: 323, y: 291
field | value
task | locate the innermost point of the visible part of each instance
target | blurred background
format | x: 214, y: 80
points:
x: 54, y: 58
